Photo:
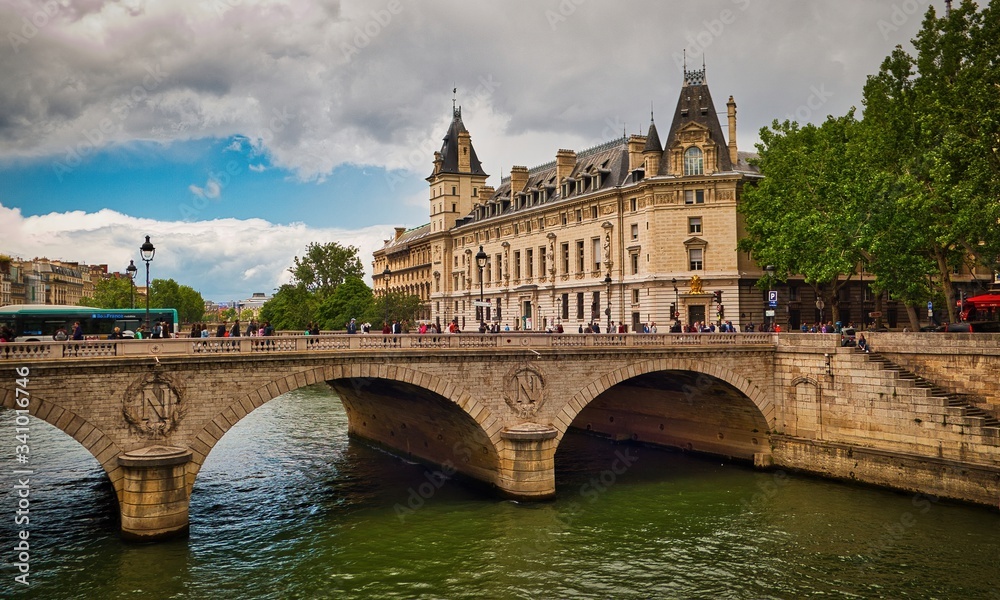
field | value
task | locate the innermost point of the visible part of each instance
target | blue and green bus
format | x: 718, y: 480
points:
x: 40, y: 322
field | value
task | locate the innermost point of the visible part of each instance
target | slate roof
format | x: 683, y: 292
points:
x: 695, y: 105
x: 609, y: 159
x: 409, y: 237
x: 449, y: 148
x: 652, y: 138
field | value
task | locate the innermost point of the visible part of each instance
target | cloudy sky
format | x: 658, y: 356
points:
x: 234, y: 132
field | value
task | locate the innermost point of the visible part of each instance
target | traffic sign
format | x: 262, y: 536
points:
x: 875, y: 314
x: 772, y: 298
x: 768, y: 313
x: 478, y: 303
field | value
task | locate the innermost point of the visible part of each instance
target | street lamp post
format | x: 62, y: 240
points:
x: 146, y: 251
x: 676, y: 312
x: 607, y: 311
x: 481, y: 259
x: 385, y: 300
x: 607, y: 227
x: 131, y: 270
x: 769, y: 269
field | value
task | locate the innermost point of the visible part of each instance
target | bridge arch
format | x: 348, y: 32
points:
x: 587, y: 394
x: 359, y: 374
x: 92, y: 438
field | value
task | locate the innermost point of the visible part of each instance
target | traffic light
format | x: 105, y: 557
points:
x: 717, y: 296
x: 673, y: 310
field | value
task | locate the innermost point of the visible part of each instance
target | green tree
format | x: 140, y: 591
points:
x: 397, y: 305
x: 352, y: 299
x: 932, y: 126
x: 113, y: 292
x: 801, y: 217
x: 325, y: 266
x: 291, y: 307
x: 167, y: 293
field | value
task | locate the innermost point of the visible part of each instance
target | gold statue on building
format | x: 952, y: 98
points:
x: 696, y: 285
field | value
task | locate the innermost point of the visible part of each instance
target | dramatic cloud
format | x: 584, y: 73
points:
x: 319, y: 84
x: 224, y: 259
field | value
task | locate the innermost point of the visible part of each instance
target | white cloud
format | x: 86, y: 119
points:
x: 258, y: 168
x: 212, y: 189
x: 224, y: 259
x: 316, y: 85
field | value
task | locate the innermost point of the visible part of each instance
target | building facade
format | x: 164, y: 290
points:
x: 634, y: 231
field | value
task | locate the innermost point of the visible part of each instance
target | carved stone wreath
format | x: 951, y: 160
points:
x: 524, y: 390
x: 152, y: 405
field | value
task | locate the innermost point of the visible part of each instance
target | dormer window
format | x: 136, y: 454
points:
x: 694, y: 162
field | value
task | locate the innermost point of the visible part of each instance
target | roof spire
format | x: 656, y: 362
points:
x: 650, y: 111
x: 454, y: 101
x: 947, y: 8
x: 694, y: 77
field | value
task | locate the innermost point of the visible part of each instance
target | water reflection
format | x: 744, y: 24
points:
x: 287, y: 507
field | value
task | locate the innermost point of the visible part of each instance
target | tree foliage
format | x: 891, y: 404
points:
x: 167, y: 293
x: 931, y: 130
x: 352, y: 299
x: 397, y: 305
x: 291, y: 307
x: 911, y: 190
x: 325, y: 266
x: 801, y: 217
x: 113, y: 292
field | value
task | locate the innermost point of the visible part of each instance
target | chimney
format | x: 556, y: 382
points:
x: 486, y: 192
x: 636, y: 143
x: 518, y: 179
x: 438, y: 161
x: 731, y: 111
x: 464, y: 157
x: 565, y: 163
x: 399, y: 232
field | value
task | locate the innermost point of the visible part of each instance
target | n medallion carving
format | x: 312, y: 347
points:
x: 152, y: 405
x: 524, y: 391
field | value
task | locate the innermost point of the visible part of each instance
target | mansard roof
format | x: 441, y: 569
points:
x: 608, y: 160
x: 743, y: 160
x: 404, y: 241
x: 695, y: 105
x: 449, y: 148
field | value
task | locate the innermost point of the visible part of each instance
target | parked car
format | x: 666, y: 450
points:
x: 848, y: 337
x: 975, y: 327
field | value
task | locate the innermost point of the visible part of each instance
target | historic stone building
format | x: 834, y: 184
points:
x: 633, y: 231
x: 640, y: 227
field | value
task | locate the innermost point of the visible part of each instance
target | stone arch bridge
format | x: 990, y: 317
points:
x: 495, y: 407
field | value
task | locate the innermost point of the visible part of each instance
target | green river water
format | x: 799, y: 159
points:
x: 287, y: 507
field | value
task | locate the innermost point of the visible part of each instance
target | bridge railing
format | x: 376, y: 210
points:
x: 29, y: 351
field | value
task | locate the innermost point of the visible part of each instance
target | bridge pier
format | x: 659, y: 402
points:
x: 154, y: 501
x: 527, y: 462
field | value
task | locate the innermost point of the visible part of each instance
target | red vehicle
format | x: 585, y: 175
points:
x: 984, y: 307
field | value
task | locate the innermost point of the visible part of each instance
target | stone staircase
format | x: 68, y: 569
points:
x: 959, y: 408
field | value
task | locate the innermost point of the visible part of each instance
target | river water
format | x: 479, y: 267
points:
x: 287, y: 507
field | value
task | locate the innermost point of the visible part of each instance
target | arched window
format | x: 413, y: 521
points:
x: 694, y: 164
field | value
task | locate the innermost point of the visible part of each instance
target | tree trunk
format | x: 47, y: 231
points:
x: 949, y: 291
x: 911, y: 312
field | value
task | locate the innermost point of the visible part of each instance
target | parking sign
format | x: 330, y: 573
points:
x: 772, y: 298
